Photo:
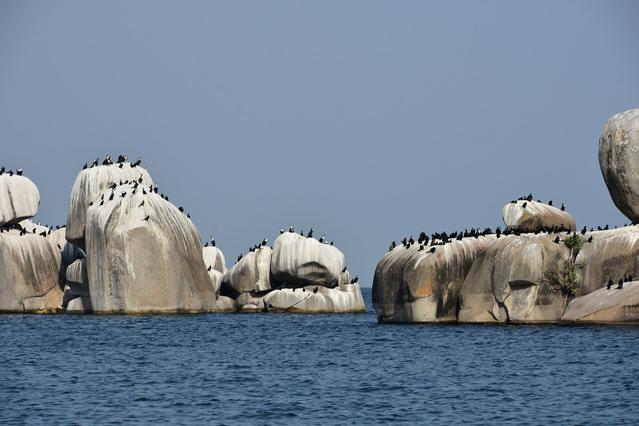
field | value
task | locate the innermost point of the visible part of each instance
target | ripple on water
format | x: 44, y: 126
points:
x: 305, y: 369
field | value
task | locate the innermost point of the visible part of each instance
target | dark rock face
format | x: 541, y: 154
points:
x: 418, y: 286
x: 618, y: 159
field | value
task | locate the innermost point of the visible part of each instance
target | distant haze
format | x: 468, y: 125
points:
x: 367, y: 120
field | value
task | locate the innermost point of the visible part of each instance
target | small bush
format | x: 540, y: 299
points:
x: 574, y: 243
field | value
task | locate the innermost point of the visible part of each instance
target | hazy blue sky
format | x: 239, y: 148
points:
x: 368, y: 120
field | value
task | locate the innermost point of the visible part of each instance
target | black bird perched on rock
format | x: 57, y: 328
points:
x: 524, y: 205
x: 281, y: 231
x: 2, y: 170
x: 210, y: 267
x: 212, y: 241
x: 344, y: 269
x: 239, y: 258
x: 322, y: 239
x: 354, y: 280
x: 111, y: 196
x: 146, y: 218
x: 291, y: 229
x: 529, y: 197
x: 310, y: 234
x: 590, y: 239
x: 583, y: 231
x: 85, y: 166
x: 550, y: 203
x: 556, y: 239
x: 315, y: 290
x: 609, y: 283
x: 620, y: 285
x: 121, y: 158
x: 137, y: 163
x: 19, y: 171
x: 264, y: 242
x: 181, y: 209
x: 606, y: 227
x: 563, y: 208
x: 141, y: 204
x: 421, y: 247
x: 432, y: 250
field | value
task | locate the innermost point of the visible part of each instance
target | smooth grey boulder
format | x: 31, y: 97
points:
x: 306, y: 300
x: 618, y: 160
x: 90, y: 185
x: 535, y: 215
x: 225, y: 304
x: 252, y: 272
x: 144, y: 255
x: 418, y: 286
x: 214, y: 257
x: 508, y: 283
x: 19, y: 199
x: 299, y: 261
x: 29, y: 273
x: 611, y: 255
x: 603, y: 305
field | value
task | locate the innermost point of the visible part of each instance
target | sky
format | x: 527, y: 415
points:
x: 367, y: 120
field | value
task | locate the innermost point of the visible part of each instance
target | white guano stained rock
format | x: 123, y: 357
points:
x: 142, y: 266
x: 29, y: 273
x: 422, y: 287
x: 534, y: 216
x: 507, y: 282
x: 19, y: 199
x: 89, y: 185
x: 214, y: 257
x: 252, y: 272
x: 604, y: 305
x: 307, y: 300
x: 299, y: 261
x: 618, y: 159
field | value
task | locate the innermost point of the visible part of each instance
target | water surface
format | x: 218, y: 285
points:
x: 322, y: 369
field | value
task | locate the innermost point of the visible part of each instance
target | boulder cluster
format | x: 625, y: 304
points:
x: 538, y: 270
x: 127, y: 249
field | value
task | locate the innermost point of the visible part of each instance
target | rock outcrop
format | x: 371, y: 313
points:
x: 19, y: 199
x: 29, y: 273
x: 507, y: 282
x: 90, y: 185
x: 214, y: 258
x: 606, y: 306
x: 618, y: 159
x: 300, y: 261
x: 611, y: 255
x: 143, y: 254
x: 252, y: 272
x: 418, y: 286
x: 525, y: 215
x: 307, y: 300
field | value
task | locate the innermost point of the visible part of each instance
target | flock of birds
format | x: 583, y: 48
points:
x: 529, y: 198
x: 620, y: 283
x: 3, y: 170
x: 108, y: 161
x: 443, y: 238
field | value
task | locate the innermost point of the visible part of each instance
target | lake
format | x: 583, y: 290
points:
x: 312, y: 369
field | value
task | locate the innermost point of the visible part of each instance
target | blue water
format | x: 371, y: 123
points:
x: 295, y: 369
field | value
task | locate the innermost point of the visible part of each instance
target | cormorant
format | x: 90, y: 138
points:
x: 181, y: 209
x: 583, y: 231
x: 344, y: 269
x: 315, y: 290
x: 281, y: 231
x: 137, y: 163
x: 529, y: 197
x: 141, y: 204
x: 557, y: 239
x: 563, y: 208
x: 290, y: 229
x: 146, y: 218
x: 590, y: 239
x: 354, y: 280
x: 85, y: 166
x: 210, y: 267
x: 609, y: 283
x: 310, y: 233
x: 239, y: 258
x: 421, y: 247
x: 123, y: 194
x: 2, y: 170
x: 206, y: 244
x: 550, y: 203
x: 264, y: 242
x: 620, y: 285
x: 432, y: 250
x: 524, y: 205
x: 322, y: 239
x: 111, y: 196
x: 212, y: 241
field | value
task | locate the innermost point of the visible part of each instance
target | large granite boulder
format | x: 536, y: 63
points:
x: 144, y: 255
x: 216, y: 280
x: 603, y: 305
x: 525, y: 215
x: 610, y: 255
x: 252, y: 272
x: 29, y: 273
x: 299, y: 261
x: 214, y: 258
x: 418, y: 286
x: 19, y: 199
x: 508, y: 281
x: 618, y: 159
x: 92, y: 183
x: 225, y: 304
x: 307, y: 300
